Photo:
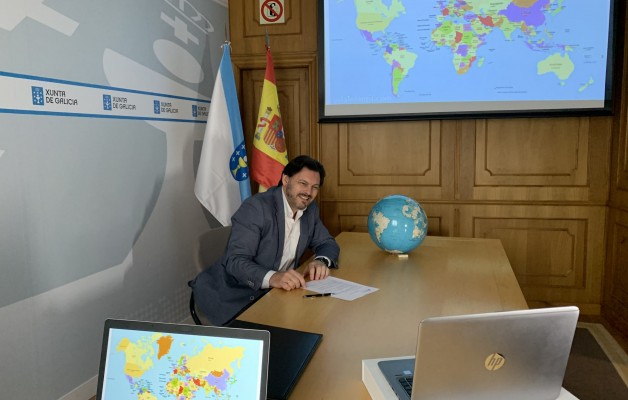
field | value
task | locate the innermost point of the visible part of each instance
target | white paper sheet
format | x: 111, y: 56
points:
x: 341, y: 289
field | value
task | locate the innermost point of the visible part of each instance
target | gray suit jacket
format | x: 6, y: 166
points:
x: 255, y: 247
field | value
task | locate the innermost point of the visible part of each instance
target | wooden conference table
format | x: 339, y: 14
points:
x: 443, y: 276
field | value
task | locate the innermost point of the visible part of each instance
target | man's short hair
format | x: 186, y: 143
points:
x: 298, y: 163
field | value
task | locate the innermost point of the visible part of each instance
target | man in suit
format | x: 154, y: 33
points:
x: 270, y: 233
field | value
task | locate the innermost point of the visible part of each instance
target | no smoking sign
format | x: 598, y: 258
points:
x: 271, y: 12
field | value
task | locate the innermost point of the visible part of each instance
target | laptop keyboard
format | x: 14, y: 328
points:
x: 406, y: 383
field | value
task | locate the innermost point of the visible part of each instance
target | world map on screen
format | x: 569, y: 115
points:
x: 383, y: 51
x: 153, y: 366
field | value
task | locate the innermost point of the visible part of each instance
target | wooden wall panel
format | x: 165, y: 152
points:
x: 536, y: 159
x: 367, y: 150
x: 532, y: 152
x: 619, y: 177
x: 615, y: 304
x: 615, y: 301
x: 373, y: 160
x: 297, y: 34
x: 557, y: 252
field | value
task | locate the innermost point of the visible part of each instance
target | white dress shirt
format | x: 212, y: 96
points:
x: 291, y: 239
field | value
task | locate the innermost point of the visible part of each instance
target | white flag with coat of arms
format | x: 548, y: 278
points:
x: 222, y: 180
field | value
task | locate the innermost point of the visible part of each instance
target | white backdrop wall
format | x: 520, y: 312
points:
x: 102, y: 108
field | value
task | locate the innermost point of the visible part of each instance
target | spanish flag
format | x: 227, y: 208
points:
x: 269, y: 155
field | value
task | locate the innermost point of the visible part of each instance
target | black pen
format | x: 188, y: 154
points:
x: 317, y: 295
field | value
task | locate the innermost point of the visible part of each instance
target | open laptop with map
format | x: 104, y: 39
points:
x: 514, y: 355
x: 153, y: 361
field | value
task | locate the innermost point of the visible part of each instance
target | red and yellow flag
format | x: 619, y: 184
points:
x: 269, y: 155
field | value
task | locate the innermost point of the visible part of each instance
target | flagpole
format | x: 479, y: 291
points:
x: 267, y: 40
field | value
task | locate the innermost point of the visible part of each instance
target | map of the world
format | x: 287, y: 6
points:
x: 402, y: 51
x: 159, y: 366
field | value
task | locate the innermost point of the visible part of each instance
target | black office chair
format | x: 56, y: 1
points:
x: 208, y: 248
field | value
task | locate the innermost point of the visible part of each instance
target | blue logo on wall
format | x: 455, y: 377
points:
x: 238, y: 163
x: 156, y: 107
x: 194, y: 110
x: 38, y: 95
x: 106, y: 102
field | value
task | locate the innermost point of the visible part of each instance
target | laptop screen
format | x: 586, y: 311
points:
x: 152, y: 361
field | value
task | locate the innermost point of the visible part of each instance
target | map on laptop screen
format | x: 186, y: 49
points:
x: 152, y: 365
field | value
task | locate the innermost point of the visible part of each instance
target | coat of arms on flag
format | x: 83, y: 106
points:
x: 222, y: 179
x: 269, y: 125
x: 269, y: 155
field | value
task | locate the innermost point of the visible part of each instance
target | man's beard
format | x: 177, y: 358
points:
x: 295, y: 200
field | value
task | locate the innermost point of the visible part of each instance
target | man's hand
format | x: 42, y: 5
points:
x: 287, y: 280
x: 316, y: 270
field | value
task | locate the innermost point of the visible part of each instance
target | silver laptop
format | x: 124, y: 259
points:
x: 149, y: 360
x: 512, y: 355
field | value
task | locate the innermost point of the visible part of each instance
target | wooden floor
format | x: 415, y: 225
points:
x: 620, y: 338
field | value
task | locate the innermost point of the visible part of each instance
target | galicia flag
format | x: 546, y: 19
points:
x: 222, y: 180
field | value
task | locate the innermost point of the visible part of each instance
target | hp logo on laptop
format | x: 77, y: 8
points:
x: 494, y: 362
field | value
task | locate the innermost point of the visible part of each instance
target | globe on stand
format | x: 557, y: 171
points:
x: 397, y: 224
